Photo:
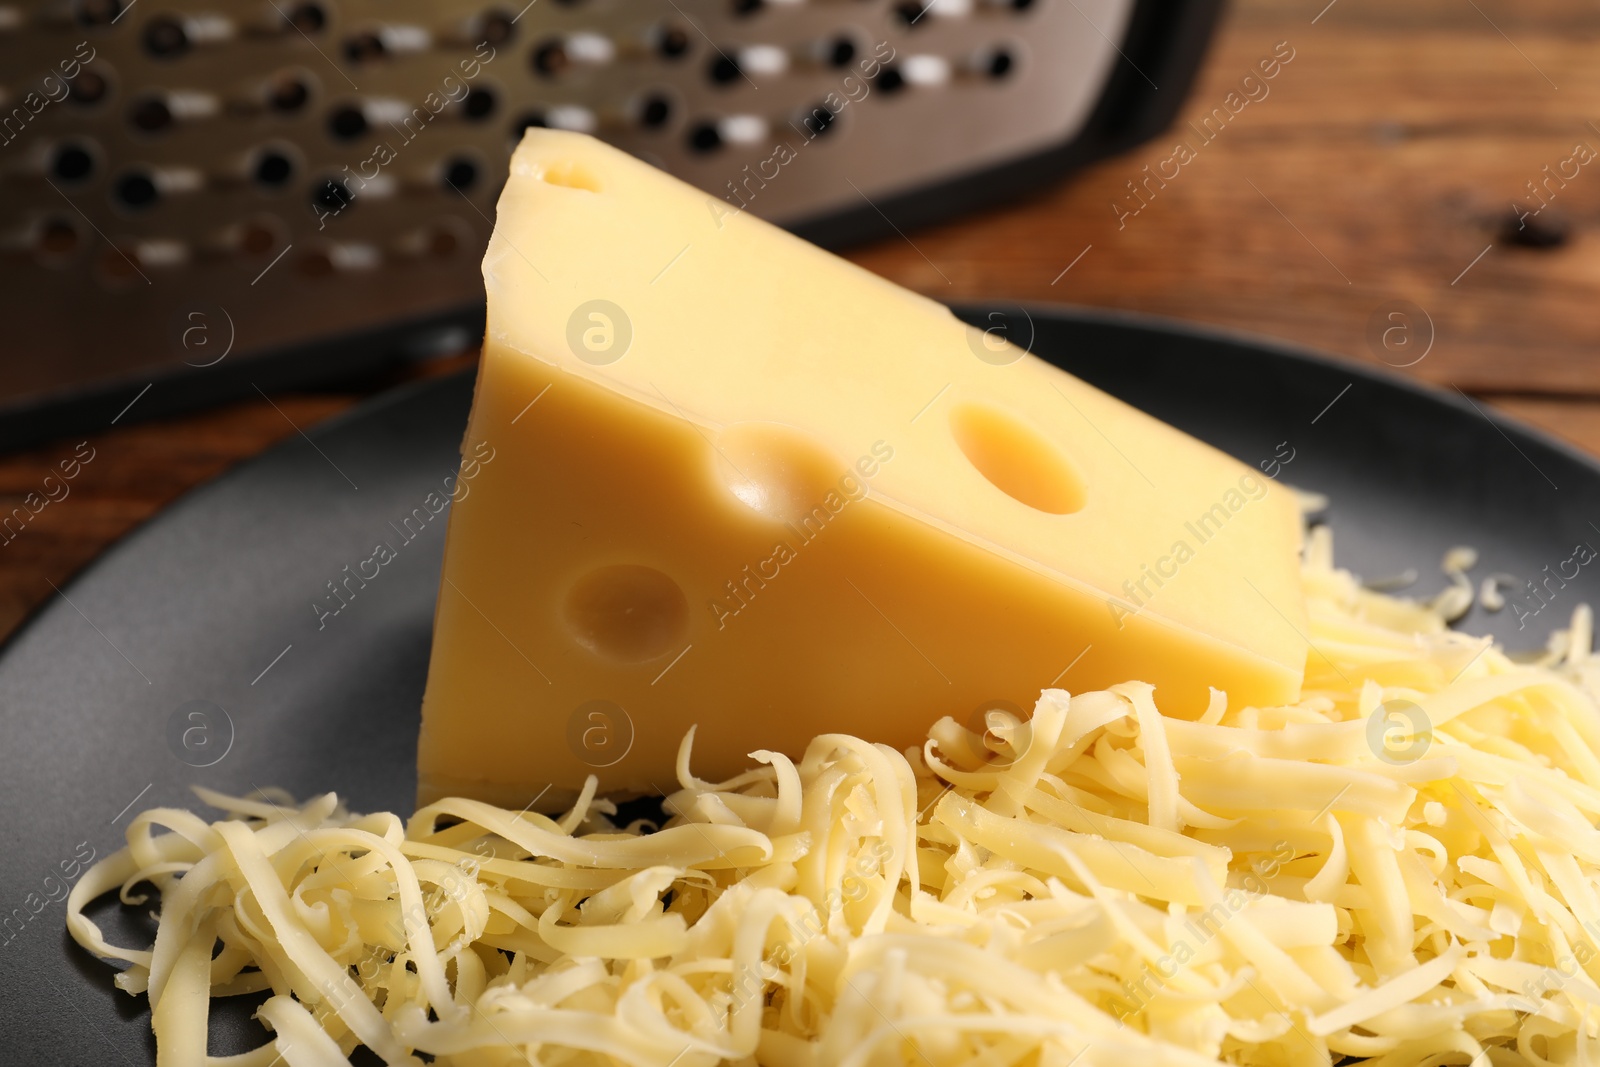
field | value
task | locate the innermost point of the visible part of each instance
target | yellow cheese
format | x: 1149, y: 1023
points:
x: 740, y: 483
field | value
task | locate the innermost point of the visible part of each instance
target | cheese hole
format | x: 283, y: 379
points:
x: 570, y: 176
x: 782, y: 474
x: 627, y: 613
x: 1017, y: 459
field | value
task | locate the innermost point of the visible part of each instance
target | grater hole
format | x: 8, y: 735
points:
x: 72, y: 163
x: 890, y: 80
x: 747, y: 7
x: 1021, y: 5
x: 150, y: 114
x: 724, y: 70
x: 347, y: 122
x: 551, y: 59
x: 308, y: 18
x: 316, y: 264
x: 56, y: 239
x: 288, y: 93
x: 460, y: 174
x: 165, y: 37
x: 97, y: 12
x: 257, y: 238
x: 841, y: 52
x: 1001, y: 64
x: 442, y: 242
x: 273, y: 169
x: 137, y: 190
x: 89, y: 87
x: 672, y: 42
x: 819, y: 120
x: 496, y: 27
x: 530, y: 120
x: 364, y: 47
x: 655, y: 111
x: 478, y: 104
x: 332, y: 196
x: 119, y: 265
x: 705, y: 137
x: 910, y: 12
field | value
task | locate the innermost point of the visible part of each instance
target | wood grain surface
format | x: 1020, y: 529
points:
x: 1383, y: 160
x: 1386, y: 167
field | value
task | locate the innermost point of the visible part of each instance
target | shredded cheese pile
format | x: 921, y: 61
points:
x: 1400, y: 869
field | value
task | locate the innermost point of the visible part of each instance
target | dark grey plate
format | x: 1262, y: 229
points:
x: 211, y: 602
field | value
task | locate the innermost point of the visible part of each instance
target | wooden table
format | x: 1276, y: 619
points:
x: 1383, y: 166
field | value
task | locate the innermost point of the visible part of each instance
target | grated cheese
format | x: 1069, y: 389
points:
x: 1328, y: 882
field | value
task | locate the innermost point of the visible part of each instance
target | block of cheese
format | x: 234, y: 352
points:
x: 738, y: 483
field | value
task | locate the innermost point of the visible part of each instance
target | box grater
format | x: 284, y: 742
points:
x: 204, y: 195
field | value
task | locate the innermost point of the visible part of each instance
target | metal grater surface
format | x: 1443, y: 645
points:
x: 184, y: 178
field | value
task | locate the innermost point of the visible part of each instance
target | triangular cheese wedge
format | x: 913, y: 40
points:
x: 717, y: 477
